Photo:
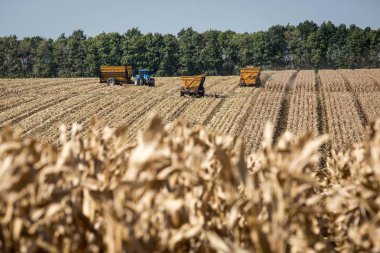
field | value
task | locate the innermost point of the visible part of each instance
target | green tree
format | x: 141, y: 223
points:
x: 245, y: 52
x: 374, y: 49
x: 358, y: 47
x: 76, y: 54
x: 2, y: 57
x: 337, y: 52
x: 211, y: 54
x: 11, y: 57
x: 313, y: 44
x: 28, y: 52
x: 60, y: 57
x: 229, y: 50
x: 261, y: 52
x: 277, y: 46
x: 326, y: 33
x: 306, y: 45
x: 294, y: 47
x: 169, y: 62
x: 109, y: 48
x: 189, y: 52
x: 134, y: 49
x: 155, y: 45
x: 103, y: 49
x: 43, y: 59
x: 92, y: 56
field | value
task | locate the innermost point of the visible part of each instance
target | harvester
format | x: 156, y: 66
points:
x: 250, y: 76
x: 115, y: 75
x: 144, y: 77
x: 193, y: 85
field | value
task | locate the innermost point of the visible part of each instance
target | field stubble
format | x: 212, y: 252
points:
x: 290, y: 100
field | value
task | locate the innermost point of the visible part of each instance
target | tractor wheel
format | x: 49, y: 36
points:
x: 181, y: 94
x: 111, y: 81
x: 141, y: 81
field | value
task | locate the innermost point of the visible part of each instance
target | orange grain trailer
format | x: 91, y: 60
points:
x: 115, y: 75
x: 250, y: 76
x: 193, y: 85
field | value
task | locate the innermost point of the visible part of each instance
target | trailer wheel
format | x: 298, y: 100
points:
x: 111, y: 81
x: 181, y: 94
x: 241, y: 84
x: 201, y: 92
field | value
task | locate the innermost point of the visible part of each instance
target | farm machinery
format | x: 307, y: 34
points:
x: 250, y: 76
x: 145, y: 77
x: 193, y: 85
x: 115, y: 75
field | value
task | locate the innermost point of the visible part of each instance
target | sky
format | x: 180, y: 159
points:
x: 50, y: 18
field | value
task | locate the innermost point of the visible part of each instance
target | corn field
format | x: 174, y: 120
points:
x: 292, y: 166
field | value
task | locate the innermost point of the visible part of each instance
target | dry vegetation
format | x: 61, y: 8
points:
x: 279, y: 81
x: 186, y: 191
x: 305, y: 81
x: 303, y: 113
x: 358, y: 81
x: 176, y: 188
x: 343, y: 120
x: 265, y: 108
x: 331, y: 81
x: 370, y: 104
x: 302, y: 116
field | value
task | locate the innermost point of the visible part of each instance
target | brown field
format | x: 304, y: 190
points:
x: 340, y: 103
x: 155, y: 184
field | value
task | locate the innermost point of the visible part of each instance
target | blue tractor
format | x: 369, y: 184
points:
x: 145, y: 77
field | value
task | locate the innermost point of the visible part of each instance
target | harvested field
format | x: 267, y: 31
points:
x: 290, y: 100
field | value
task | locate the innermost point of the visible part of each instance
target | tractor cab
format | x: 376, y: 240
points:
x: 145, y: 77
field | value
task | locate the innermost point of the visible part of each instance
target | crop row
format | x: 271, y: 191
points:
x: 370, y: 102
x: 303, y: 116
x: 331, y: 81
x: 43, y: 87
x: 265, y: 109
x: 371, y: 73
x: 343, y: 120
x: 280, y: 80
x: 230, y: 115
x: 305, y: 81
x: 358, y: 81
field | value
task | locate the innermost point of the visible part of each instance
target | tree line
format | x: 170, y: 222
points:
x: 305, y: 46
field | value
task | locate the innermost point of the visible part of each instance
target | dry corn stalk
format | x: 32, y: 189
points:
x: 185, y: 192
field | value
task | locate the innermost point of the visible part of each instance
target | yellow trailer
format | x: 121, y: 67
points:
x: 193, y: 85
x: 250, y: 76
x: 115, y: 74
